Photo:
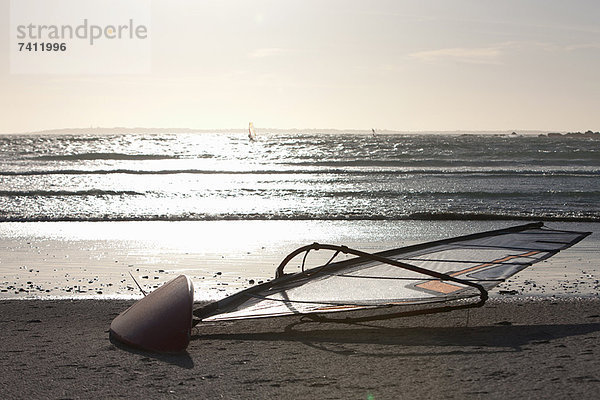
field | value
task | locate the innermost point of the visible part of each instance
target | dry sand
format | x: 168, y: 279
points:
x: 521, y: 348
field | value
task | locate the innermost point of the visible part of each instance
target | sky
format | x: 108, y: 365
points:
x: 401, y: 65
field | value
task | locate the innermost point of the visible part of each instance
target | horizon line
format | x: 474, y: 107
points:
x: 266, y: 130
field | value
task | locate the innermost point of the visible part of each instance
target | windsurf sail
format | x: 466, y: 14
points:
x: 251, y: 132
x: 443, y: 271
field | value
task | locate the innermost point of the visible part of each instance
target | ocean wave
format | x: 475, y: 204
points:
x: 429, y: 194
x: 317, y: 193
x: 60, y: 193
x: 418, y: 216
x: 103, y: 156
x: 317, y: 171
x: 445, y: 162
x: 451, y: 216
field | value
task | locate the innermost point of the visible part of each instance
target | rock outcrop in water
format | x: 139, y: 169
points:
x: 578, y: 134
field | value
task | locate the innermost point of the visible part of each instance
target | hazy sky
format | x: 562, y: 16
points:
x: 348, y: 64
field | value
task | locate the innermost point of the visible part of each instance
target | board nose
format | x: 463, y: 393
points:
x: 159, y: 322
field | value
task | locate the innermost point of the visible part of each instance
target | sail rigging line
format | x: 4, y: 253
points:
x: 456, y: 239
x: 399, y: 314
x: 324, y: 265
x: 138, y: 285
x: 400, y: 278
x: 459, y: 261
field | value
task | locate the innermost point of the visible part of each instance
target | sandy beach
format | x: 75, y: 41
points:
x: 507, y: 349
x: 537, y: 337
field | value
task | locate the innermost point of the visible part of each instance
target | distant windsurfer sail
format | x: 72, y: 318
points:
x: 436, y: 276
x: 251, y: 132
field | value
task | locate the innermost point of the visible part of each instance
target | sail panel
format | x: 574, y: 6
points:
x: 357, y: 283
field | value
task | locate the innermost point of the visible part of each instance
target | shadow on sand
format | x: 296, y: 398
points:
x: 182, y: 360
x: 447, y: 340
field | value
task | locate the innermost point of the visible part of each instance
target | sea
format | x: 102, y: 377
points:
x: 299, y: 176
x: 80, y: 212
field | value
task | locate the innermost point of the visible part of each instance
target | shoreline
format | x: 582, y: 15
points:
x: 61, y: 349
x: 93, y: 260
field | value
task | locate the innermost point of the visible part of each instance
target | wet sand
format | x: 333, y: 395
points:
x: 94, y: 259
x: 520, y: 348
